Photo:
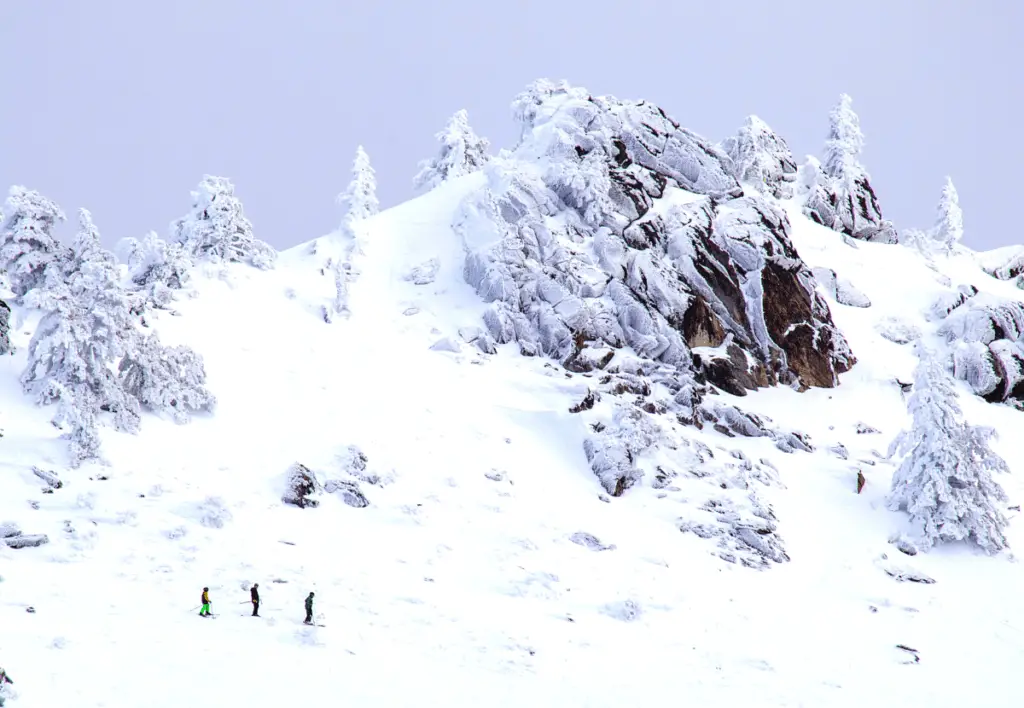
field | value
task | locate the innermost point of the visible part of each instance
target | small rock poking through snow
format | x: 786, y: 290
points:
x: 589, y: 540
x: 623, y: 610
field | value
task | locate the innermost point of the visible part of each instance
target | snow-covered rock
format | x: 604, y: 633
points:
x: 840, y: 289
x: 760, y: 157
x: 898, y: 330
x: 301, y: 487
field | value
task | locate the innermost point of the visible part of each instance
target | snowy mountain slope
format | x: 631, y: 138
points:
x: 491, y: 565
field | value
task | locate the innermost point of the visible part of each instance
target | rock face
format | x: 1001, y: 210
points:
x: 621, y: 245
x: 762, y: 158
x: 573, y: 257
x: 987, y: 338
x: 5, y: 327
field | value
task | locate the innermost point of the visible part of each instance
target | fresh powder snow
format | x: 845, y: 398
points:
x: 433, y: 487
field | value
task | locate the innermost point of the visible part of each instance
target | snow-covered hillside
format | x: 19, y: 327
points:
x: 539, y: 478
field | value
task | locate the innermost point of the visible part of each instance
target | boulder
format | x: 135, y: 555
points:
x: 300, y: 487
x: 348, y: 491
x: 26, y: 541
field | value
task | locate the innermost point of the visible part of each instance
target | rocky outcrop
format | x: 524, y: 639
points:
x: 662, y: 282
x: 1010, y: 269
x: 5, y: 327
x: 760, y: 157
x: 848, y: 206
x: 621, y: 245
x: 12, y: 537
x: 986, y: 335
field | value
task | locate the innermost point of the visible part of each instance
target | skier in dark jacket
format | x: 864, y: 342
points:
x: 255, y: 600
x: 4, y: 678
x: 309, y: 609
x: 205, y: 611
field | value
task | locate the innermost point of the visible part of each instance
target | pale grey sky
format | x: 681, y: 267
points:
x: 121, y: 106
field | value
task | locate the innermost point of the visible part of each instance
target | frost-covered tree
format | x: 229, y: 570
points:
x: 28, y: 246
x: 216, y: 227
x: 845, y: 142
x: 945, y: 478
x: 462, y: 152
x: 949, y: 222
x: 166, y: 379
x: 360, y: 197
x: 87, y: 327
x: 156, y: 269
x: 5, y: 327
x: 852, y: 207
x: 762, y: 158
x: 359, y: 200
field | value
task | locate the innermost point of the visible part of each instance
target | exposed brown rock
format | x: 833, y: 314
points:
x: 701, y: 326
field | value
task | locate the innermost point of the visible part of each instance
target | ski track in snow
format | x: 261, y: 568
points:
x: 453, y: 588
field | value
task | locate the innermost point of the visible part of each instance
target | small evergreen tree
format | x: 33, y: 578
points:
x: 360, y: 202
x: 28, y: 246
x: 360, y: 197
x: 949, y: 223
x: 462, y: 152
x: 945, y: 479
x: 844, y: 144
x: 216, y: 227
x: 156, y: 269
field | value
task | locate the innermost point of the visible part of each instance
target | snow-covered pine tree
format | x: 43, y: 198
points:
x: 462, y: 152
x: 216, y: 227
x: 360, y: 197
x: 949, y: 222
x: 945, y: 479
x: 166, y: 379
x: 5, y: 327
x: 87, y: 327
x: 156, y: 269
x: 28, y: 246
x: 762, y: 158
x: 359, y: 200
x: 852, y: 198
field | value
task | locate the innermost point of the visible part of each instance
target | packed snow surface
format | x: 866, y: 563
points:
x: 488, y: 568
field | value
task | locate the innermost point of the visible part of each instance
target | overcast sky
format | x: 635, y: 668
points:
x: 121, y: 106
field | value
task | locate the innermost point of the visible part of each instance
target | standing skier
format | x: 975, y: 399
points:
x: 205, y: 612
x: 309, y: 610
x: 4, y: 678
x: 255, y: 600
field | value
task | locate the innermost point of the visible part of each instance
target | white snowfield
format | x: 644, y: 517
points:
x: 459, y: 584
